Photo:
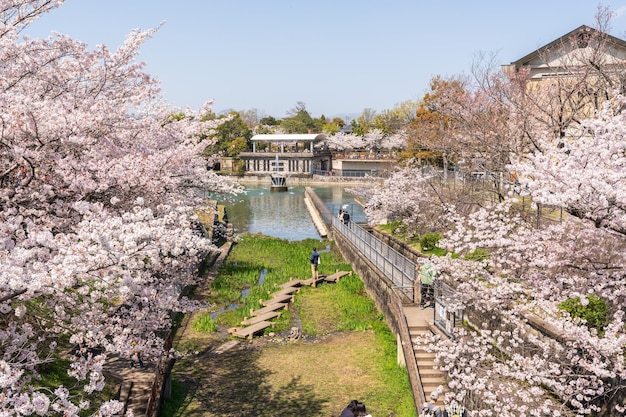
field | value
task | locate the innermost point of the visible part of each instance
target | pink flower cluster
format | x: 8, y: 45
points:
x: 99, y: 179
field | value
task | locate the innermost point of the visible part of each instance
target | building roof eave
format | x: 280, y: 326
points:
x: 309, y: 137
x: 559, y: 41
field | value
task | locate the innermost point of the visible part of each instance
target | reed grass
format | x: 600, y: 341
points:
x: 203, y: 322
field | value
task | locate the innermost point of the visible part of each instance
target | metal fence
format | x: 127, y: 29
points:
x: 398, y: 268
x: 352, y: 173
x: 445, y: 317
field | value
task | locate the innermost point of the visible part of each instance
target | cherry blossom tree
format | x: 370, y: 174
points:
x: 344, y: 141
x: 373, y: 140
x: 376, y: 139
x: 98, y: 184
x: 409, y: 196
x: 395, y: 141
x: 505, y: 365
x: 522, y: 352
x: 502, y: 364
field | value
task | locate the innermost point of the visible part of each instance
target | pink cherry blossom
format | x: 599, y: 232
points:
x: 98, y: 186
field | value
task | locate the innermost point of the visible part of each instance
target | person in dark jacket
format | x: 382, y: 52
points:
x: 430, y: 408
x: 359, y: 410
x: 315, y: 260
x: 348, y: 411
x: 355, y: 409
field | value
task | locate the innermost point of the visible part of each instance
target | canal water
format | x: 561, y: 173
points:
x: 284, y: 214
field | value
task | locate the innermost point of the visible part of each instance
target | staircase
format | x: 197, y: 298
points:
x: 135, y: 383
x: 430, y: 375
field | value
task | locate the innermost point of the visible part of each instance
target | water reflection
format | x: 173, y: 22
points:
x: 284, y: 214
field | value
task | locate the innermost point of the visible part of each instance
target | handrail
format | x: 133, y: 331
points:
x: 392, y: 264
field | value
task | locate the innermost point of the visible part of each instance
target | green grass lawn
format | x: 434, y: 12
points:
x: 347, y: 351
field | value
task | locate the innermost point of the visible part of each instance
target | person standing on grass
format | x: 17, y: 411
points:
x: 315, y: 260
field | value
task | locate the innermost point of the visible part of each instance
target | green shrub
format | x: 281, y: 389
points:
x: 204, y: 323
x: 395, y: 227
x: 429, y: 241
x: 477, y: 255
x: 594, y: 313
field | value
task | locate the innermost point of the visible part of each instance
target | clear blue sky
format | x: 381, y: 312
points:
x: 338, y: 57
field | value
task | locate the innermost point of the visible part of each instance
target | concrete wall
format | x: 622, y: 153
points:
x: 364, y: 164
x: 305, y: 179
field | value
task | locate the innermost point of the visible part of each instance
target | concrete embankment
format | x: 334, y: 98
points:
x: 292, y: 181
x: 315, y: 215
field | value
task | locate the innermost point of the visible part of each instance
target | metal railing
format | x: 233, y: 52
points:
x: 353, y: 173
x: 395, y: 266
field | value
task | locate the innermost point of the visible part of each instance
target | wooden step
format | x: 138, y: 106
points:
x: 421, y: 355
x: 429, y: 380
x: 310, y: 282
x: 421, y: 325
x: 419, y: 330
x: 337, y: 276
x: 281, y: 298
x: 425, y: 363
x: 287, y: 290
x: 272, y: 307
x: 292, y: 283
x: 248, y: 332
x: 431, y: 372
x: 267, y: 316
x: 420, y: 346
x: 430, y: 388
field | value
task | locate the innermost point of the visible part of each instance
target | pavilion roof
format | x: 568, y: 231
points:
x: 310, y: 137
